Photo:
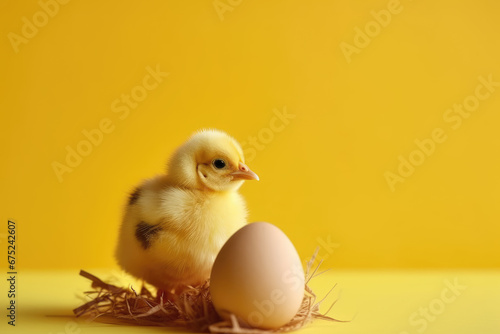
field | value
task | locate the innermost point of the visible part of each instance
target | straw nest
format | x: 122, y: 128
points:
x: 192, y: 309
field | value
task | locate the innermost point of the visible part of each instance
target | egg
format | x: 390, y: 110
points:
x: 258, y: 277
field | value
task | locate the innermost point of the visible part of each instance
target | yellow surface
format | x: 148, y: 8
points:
x: 355, y: 106
x: 377, y: 301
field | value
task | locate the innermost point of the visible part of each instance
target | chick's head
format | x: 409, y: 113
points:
x: 210, y: 159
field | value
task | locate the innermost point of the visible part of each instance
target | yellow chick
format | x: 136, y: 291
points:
x: 175, y: 224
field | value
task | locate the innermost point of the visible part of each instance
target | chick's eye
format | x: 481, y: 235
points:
x: 219, y: 163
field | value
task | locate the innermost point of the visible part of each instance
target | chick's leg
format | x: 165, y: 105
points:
x: 166, y: 295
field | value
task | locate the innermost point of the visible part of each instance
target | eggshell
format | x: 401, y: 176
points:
x: 258, y: 277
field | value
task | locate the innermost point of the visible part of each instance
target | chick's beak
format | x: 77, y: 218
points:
x: 244, y: 173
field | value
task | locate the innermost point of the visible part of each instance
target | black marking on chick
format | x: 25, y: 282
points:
x: 134, y: 196
x: 146, y: 233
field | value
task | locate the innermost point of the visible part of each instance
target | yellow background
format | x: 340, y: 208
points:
x: 322, y: 175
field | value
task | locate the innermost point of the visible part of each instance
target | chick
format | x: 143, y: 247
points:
x: 175, y: 224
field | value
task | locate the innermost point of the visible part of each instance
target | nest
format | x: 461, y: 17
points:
x: 192, y: 309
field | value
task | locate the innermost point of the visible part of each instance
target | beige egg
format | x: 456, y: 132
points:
x: 258, y: 277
